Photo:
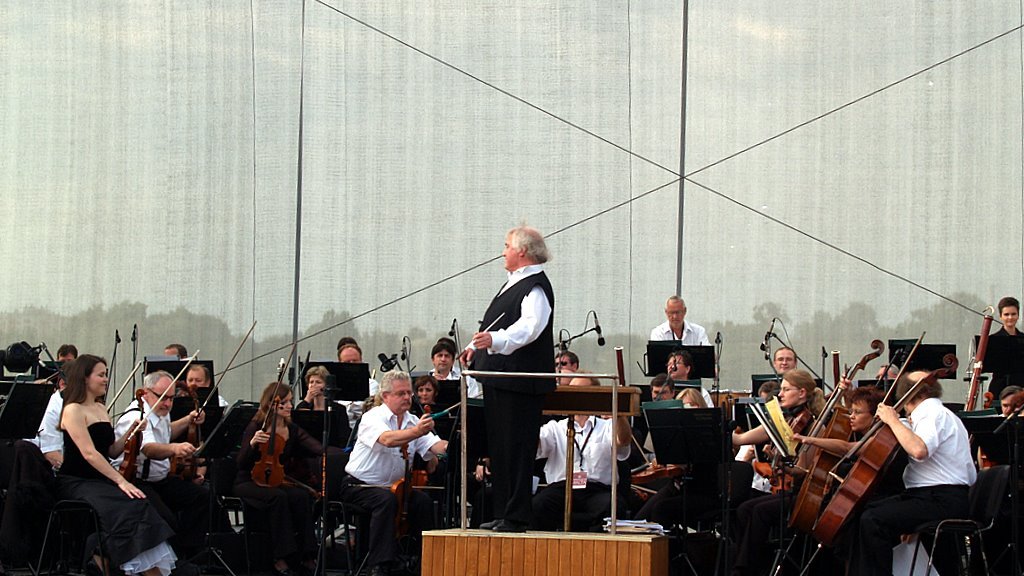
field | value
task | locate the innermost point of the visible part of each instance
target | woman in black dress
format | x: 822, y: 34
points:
x: 133, y: 533
x: 288, y: 506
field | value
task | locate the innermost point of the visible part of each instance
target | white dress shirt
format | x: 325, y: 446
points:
x: 693, y: 334
x: 49, y: 438
x: 374, y: 463
x: 596, y: 463
x: 949, y: 459
x: 534, y: 314
x: 158, y: 430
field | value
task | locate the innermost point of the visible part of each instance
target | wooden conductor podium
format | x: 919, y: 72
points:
x: 459, y: 552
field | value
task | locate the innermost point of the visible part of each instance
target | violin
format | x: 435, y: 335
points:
x: 133, y: 445
x: 783, y: 482
x: 185, y: 466
x: 402, y: 488
x: 268, y: 471
x: 656, y: 472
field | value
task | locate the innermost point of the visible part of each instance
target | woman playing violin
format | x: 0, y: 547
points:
x: 288, y: 507
x: 134, y: 535
x: 800, y: 399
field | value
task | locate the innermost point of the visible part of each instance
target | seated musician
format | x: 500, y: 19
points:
x: 679, y: 366
x: 426, y: 395
x: 134, y: 535
x: 442, y: 356
x: 748, y: 452
x: 184, y: 505
x: 388, y: 438
x: 566, y: 362
x: 784, y: 359
x: 671, y: 505
x: 592, y: 468
x: 800, y: 400
x: 178, y: 350
x: 316, y: 380
x: 937, y: 477
x: 198, y: 375
x: 1007, y: 400
x: 288, y: 505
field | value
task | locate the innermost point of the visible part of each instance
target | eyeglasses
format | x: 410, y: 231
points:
x: 564, y: 363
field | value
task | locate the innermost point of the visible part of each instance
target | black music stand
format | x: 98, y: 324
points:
x: 173, y: 366
x: 23, y: 410
x: 928, y: 356
x: 312, y: 421
x: 182, y: 405
x: 1004, y: 358
x: 690, y: 436
x: 351, y: 380
x: 786, y: 456
x: 222, y: 443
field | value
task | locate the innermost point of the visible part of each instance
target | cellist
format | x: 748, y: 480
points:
x: 288, y: 506
x: 388, y: 438
x: 184, y: 505
x: 937, y: 477
x: 800, y: 399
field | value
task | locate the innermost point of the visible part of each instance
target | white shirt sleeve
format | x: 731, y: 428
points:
x: 50, y: 438
x: 370, y: 430
x: 534, y: 314
x: 547, y: 439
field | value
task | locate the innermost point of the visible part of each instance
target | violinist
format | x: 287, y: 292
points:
x: 198, y: 375
x: 288, y: 506
x: 937, y: 477
x: 800, y: 400
x: 134, y: 535
x: 388, y: 438
x: 184, y: 505
x: 426, y: 395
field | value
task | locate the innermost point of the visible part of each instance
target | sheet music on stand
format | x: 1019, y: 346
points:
x: 779, y: 432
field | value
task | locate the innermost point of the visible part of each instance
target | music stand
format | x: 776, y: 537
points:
x: 221, y: 443
x: 1004, y: 358
x: 351, y: 380
x: 658, y: 352
x: 182, y: 405
x: 312, y: 421
x: 23, y: 410
x: 227, y: 436
x: 757, y: 380
x: 690, y: 436
x: 928, y: 356
x: 173, y: 366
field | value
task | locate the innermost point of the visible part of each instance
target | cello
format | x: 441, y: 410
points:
x: 812, y: 492
x: 874, y: 454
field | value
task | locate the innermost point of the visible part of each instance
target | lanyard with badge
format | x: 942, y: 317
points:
x: 579, y: 478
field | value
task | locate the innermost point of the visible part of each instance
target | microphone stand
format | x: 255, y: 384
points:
x: 1013, y: 419
x: 135, y: 353
x: 575, y: 336
x: 113, y: 357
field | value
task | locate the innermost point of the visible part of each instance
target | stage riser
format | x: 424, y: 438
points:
x: 482, y: 553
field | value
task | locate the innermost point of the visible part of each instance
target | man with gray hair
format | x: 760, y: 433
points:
x: 676, y: 328
x: 389, y: 436
x: 519, y: 338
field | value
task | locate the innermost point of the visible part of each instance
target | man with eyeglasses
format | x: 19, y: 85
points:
x: 184, y: 505
x: 567, y: 362
x: 675, y: 326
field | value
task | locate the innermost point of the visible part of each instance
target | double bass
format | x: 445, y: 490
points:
x: 812, y: 491
x: 874, y: 454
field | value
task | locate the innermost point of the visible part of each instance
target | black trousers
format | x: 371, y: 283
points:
x: 185, y: 507
x: 383, y: 508
x: 513, y: 427
x: 754, y: 521
x: 593, y: 501
x: 883, y: 521
x: 289, y: 512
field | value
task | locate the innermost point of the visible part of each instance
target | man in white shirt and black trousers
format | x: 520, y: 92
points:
x: 937, y: 478
x: 592, y: 465
x: 377, y: 461
x: 519, y: 338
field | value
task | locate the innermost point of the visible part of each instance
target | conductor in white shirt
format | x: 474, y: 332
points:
x: 677, y: 328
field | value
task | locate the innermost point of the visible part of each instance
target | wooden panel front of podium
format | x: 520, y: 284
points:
x: 486, y: 553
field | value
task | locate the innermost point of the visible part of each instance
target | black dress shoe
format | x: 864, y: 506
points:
x: 379, y: 570
x: 510, y: 526
x: 490, y: 525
